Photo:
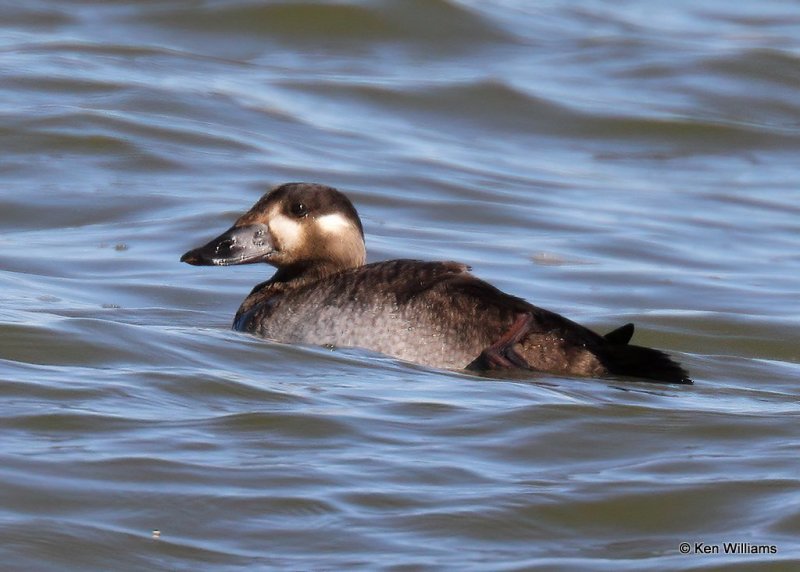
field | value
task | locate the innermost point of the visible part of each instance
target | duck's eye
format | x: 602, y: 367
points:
x: 299, y: 209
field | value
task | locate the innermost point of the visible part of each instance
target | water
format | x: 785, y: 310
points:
x: 612, y: 161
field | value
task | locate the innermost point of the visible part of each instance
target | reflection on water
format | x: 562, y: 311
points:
x: 612, y: 162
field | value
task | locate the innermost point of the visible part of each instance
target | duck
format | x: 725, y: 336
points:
x: 434, y: 313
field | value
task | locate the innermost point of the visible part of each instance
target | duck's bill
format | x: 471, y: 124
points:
x: 237, y: 245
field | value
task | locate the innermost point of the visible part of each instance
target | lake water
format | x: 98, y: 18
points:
x: 611, y: 161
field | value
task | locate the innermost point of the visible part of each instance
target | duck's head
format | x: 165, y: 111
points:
x: 296, y: 227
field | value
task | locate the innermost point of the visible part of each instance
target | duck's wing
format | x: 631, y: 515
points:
x: 526, y: 335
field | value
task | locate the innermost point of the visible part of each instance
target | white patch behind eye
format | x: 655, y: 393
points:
x: 288, y: 232
x: 333, y: 223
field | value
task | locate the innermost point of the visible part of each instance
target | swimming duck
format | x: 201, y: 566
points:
x: 432, y: 313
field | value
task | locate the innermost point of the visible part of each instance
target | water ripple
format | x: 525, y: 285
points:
x: 610, y: 162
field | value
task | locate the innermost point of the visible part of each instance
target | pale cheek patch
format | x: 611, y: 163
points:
x: 287, y: 232
x: 333, y: 223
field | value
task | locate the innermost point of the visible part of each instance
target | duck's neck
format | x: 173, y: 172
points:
x: 299, y: 274
x: 337, y: 256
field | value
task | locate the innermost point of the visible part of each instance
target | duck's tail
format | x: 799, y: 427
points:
x: 647, y: 363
